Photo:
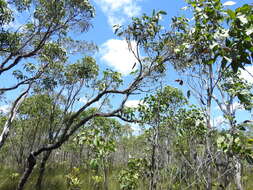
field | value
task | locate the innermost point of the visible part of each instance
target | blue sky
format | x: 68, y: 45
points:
x: 113, y: 51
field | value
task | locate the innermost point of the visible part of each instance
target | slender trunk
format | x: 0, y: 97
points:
x: 209, y: 167
x: 209, y: 126
x: 11, y: 117
x: 42, y: 170
x: 31, y: 162
x: 238, y: 174
x: 106, y: 178
x: 154, y: 160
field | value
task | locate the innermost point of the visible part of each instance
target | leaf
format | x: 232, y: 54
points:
x: 223, y: 63
x: 162, y: 13
x: 250, y: 141
x: 249, y: 31
x: 188, y: 94
x: 231, y: 14
x: 241, y: 128
x: 243, y: 19
x: 234, y: 66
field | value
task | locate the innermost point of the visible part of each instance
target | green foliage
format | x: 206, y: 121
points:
x: 237, y: 87
x: 146, y: 32
x: 100, y: 137
x: 5, y: 13
x: 240, y: 37
x: 161, y: 105
x: 130, y: 177
x: 216, y: 34
x: 42, y: 38
x: 86, y: 68
x: 235, y: 144
x: 73, y: 179
x: 110, y: 79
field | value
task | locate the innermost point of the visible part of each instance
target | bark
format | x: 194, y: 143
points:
x: 42, y: 170
x: 154, y: 161
x: 209, y: 126
x: 209, y: 167
x: 106, y: 178
x: 238, y: 174
x: 31, y: 162
x: 11, y: 117
x: 69, y: 128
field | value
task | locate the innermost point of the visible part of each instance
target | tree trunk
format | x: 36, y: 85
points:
x: 106, y: 178
x: 11, y: 117
x: 31, y: 162
x: 42, y: 170
x: 209, y: 167
x: 209, y: 126
x: 238, y: 174
x: 154, y: 160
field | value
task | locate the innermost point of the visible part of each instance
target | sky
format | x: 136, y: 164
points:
x: 113, y: 52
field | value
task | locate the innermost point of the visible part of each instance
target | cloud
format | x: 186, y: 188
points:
x: 247, y: 74
x: 229, y: 3
x: 133, y: 103
x: 118, y: 11
x: 5, y: 109
x: 116, y: 54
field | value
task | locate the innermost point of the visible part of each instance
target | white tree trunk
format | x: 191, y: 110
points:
x: 12, y: 116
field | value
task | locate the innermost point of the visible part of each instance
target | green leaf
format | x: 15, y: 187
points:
x: 188, y: 94
x: 231, y: 14
x: 234, y: 66
x: 242, y: 18
x: 162, y: 13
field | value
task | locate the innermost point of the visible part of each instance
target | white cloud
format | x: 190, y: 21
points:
x: 247, y: 74
x: 112, y: 20
x: 116, y: 54
x: 133, y: 103
x: 131, y: 10
x: 4, y: 109
x: 118, y: 11
x: 229, y: 3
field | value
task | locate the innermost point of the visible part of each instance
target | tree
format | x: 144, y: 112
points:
x: 216, y: 40
x: 207, y: 49
x: 101, y: 136
x: 42, y: 40
x: 69, y: 81
x: 154, y: 112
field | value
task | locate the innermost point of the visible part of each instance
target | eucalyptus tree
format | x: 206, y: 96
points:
x: 72, y: 81
x: 204, y: 48
x: 101, y: 135
x: 30, y: 45
x: 153, y: 113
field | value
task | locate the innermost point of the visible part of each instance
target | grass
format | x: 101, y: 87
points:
x: 55, y: 179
